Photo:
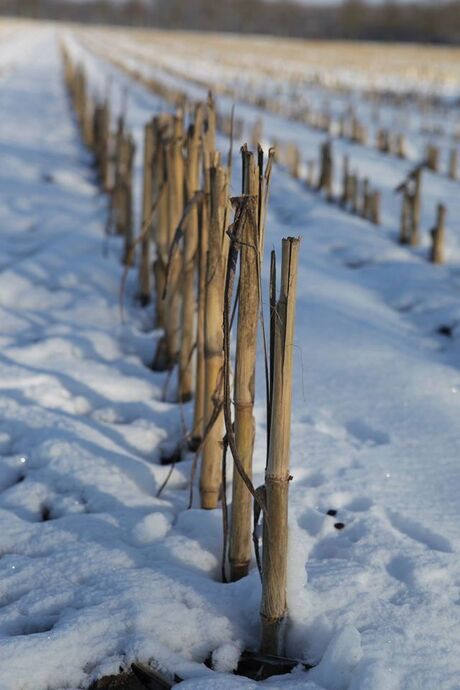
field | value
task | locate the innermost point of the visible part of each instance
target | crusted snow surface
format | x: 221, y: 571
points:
x: 95, y: 570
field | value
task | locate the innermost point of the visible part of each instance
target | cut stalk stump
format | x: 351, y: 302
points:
x: 152, y: 679
x: 262, y: 666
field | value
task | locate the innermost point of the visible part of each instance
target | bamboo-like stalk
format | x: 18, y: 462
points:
x: 189, y: 302
x: 210, y: 129
x: 88, y: 130
x: 375, y: 208
x: 245, y: 363
x: 326, y: 168
x: 145, y: 279
x: 416, y: 207
x: 126, y: 216
x: 98, y: 135
x: 117, y: 195
x: 214, y: 347
x: 275, y: 529
x: 349, y: 190
x: 432, y: 158
x: 199, y: 407
x: 345, y: 179
x: 311, y: 174
x: 404, y: 231
x: 161, y: 126
x: 209, y: 136
x: 293, y: 160
x: 104, y: 145
x: 175, y: 197
x: 354, y: 193
x: 365, y: 198
x: 401, y: 146
x: 453, y: 164
x: 437, y: 236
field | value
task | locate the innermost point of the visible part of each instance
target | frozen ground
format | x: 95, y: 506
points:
x: 95, y: 571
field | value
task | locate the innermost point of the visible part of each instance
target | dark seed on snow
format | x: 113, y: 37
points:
x: 46, y: 513
x: 332, y: 512
x: 339, y: 525
x: 445, y: 330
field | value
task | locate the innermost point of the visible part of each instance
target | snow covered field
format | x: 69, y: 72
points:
x: 95, y: 570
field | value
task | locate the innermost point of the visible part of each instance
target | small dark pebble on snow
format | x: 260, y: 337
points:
x: 47, y: 177
x: 446, y: 331
x: 45, y: 513
x: 124, y: 681
x: 339, y: 525
x: 331, y: 512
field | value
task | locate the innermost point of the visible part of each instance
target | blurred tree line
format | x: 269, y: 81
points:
x: 435, y: 22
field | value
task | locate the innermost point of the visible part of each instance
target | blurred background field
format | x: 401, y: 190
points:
x: 389, y: 20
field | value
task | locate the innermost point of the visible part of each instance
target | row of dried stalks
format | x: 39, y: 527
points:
x: 359, y: 198
x: 199, y: 256
x: 358, y: 195
x: 346, y: 125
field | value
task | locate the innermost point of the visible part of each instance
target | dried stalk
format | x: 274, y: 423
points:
x: 161, y: 126
x: 326, y: 166
x: 199, y: 409
x: 416, y: 207
x: 145, y: 281
x: 175, y: 206
x: 432, y: 158
x: 345, y: 180
x: 375, y: 208
x: 437, y: 236
x: 275, y: 534
x: 453, y: 164
x: 365, y: 198
x: 209, y: 143
x: 404, y: 231
x: 213, y: 352
x: 192, y: 183
x: 125, y: 214
x: 246, y: 350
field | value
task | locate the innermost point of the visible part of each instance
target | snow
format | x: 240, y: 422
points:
x: 96, y: 571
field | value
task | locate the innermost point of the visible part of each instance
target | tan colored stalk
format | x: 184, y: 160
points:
x: 326, y: 167
x: 432, y: 158
x: 416, y: 207
x: 275, y: 530
x: 214, y: 347
x: 105, y: 145
x: 345, y: 179
x: 453, y: 164
x: 161, y: 125
x: 245, y: 364
x: 375, y: 208
x: 208, y: 157
x: 145, y: 281
x: 189, y: 302
x: 401, y: 146
x: 404, y: 232
x: 88, y: 130
x: 365, y: 198
x: 199, y: 408
x: 126, y: 216
x: 437, y: 236
x: 293, y: 160
x: 175, y: 197
x: 354, y: 193
x: 311, y: 174
x: 117, y: 194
